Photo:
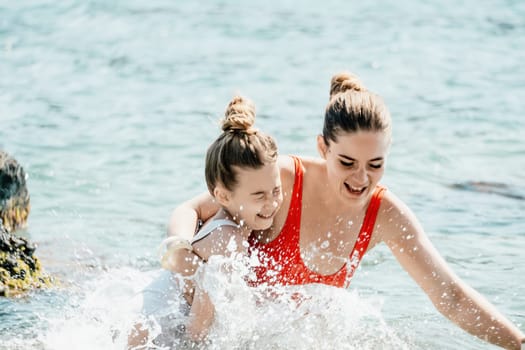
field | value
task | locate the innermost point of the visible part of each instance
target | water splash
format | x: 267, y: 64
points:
x: 102, y: 317
x: 103, y: 311
x: 297, y: 317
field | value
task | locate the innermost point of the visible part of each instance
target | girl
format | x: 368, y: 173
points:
x: 243, y: 179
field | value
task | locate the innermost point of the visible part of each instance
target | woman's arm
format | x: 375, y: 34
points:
x: 184, y: 219
x: 183, y: 224
x: 449, y: 294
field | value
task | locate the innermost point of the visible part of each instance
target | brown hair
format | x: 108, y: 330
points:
x: 240, y: 144
x: 353, y: 108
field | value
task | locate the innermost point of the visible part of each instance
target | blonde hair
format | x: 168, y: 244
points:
x: 353, y: 108
x: 240, y: 144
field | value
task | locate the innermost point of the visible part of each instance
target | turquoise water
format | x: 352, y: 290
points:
x: 110, y: 107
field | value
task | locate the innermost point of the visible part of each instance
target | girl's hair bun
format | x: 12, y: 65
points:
x: 239, y: 115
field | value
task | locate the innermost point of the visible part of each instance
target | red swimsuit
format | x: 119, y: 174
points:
x: 281, y: 261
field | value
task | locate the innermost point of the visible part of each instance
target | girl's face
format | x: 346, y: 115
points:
x: 257, y: 196
x: 355, y: 163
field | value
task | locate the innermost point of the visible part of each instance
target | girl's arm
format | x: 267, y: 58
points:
x: 449, y: 294
x: 224, y: 241
x: 202, y: 313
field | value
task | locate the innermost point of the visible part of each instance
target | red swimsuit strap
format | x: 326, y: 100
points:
x: 291, y: 228
x: 367, y: 228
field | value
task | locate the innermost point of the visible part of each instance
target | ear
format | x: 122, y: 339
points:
x: 222, y: 195
x: 322, y: 148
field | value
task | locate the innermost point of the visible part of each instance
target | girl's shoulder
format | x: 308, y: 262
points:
x: 215, y: 238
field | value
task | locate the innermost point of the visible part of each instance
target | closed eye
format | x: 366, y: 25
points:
x: 348, y: 164
x: 376, y: 166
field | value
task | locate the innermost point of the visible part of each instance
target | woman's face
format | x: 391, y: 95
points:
x: 257, y: 196
x: 355, y: 163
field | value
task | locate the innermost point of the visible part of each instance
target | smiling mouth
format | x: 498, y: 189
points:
x: 266, y: 216
x: 355, y: 190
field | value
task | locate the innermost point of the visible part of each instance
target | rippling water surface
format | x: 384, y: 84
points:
x: 110, y: 106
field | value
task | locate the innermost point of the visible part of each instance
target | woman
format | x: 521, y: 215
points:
x: 337, y: 211
x: 243, y: 177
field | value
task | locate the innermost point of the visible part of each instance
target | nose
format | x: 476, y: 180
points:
x: 360, y: 175
x: 271, y: 202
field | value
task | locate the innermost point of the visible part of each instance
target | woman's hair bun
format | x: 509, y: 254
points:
x: 239, y: 115
x: 345, y: 81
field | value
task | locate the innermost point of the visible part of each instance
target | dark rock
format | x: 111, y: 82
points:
x: 20, y: 270
x: 14, y: 196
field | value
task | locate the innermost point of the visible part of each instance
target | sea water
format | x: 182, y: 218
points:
x: 110, y: 106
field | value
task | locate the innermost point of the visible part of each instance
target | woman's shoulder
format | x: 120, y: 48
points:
x: 392, y: 206
x: 395, y: 217
x: 389, y: 198
x: 287, y: 164
x: 287, y: 167
x: 312, y: 168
